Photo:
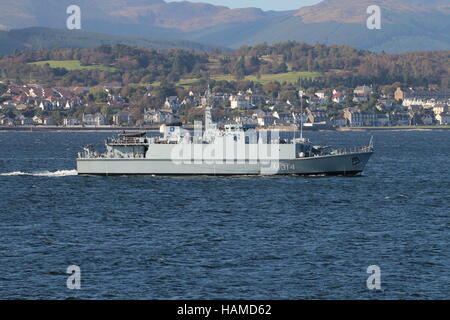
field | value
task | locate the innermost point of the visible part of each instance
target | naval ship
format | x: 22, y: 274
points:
x: 232, y: 150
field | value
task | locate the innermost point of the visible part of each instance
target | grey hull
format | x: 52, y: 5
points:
x: 346, y: 164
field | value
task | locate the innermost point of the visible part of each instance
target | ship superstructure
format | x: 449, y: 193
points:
x: 231, y: 150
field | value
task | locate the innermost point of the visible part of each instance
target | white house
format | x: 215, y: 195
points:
x: 338, y: 97
x: 322, y: 94
x: 160, y: 117
x: 440, y: 108
x: 443, y: 118
x: 172, y: 103
x: 356, y: 118
x: 71, y: 122
x: 264, y: 119
x: 94, y: 119
x: 362, y: 91
x: 240, y: 102
x: 122, y: 118
x: 38, y: 120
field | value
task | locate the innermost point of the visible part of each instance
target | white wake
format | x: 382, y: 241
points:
x: 60, y: 173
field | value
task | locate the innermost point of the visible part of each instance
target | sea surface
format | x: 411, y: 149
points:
x: 226, y: 238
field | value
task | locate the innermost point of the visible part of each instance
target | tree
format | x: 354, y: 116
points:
x: 282, y: 68
x: 239, y: 70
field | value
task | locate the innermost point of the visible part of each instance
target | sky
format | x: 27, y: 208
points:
x: 263, y: 4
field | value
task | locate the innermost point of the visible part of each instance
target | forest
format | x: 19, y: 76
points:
x: 327, y: 66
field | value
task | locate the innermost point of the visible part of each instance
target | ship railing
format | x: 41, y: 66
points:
x: 127, y: 141
x: 352, y: 150
x: 94, y: 155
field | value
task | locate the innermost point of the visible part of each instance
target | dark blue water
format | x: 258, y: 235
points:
x: 237, y: 237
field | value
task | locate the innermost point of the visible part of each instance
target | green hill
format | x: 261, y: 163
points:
x: 71, y: 65
x: 38, y: 38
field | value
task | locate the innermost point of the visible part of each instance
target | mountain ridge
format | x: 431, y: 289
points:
x: 35, y: 38
x: 184, y: 16
x: 407, y: 25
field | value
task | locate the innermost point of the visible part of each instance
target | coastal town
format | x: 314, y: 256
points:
x: 108, y: 106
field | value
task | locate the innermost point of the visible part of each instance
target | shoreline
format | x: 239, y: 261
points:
x: 76, y: 129
x: 400, y: 128
x: 156, y: 129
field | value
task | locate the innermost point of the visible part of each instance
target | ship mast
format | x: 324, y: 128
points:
x: 208, y: 117
x: 301, y: 111
x: 210, y: 127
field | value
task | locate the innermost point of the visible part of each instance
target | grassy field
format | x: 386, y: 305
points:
x: 71, y: 65
x: 394, y: 128
x: 291, y: 77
